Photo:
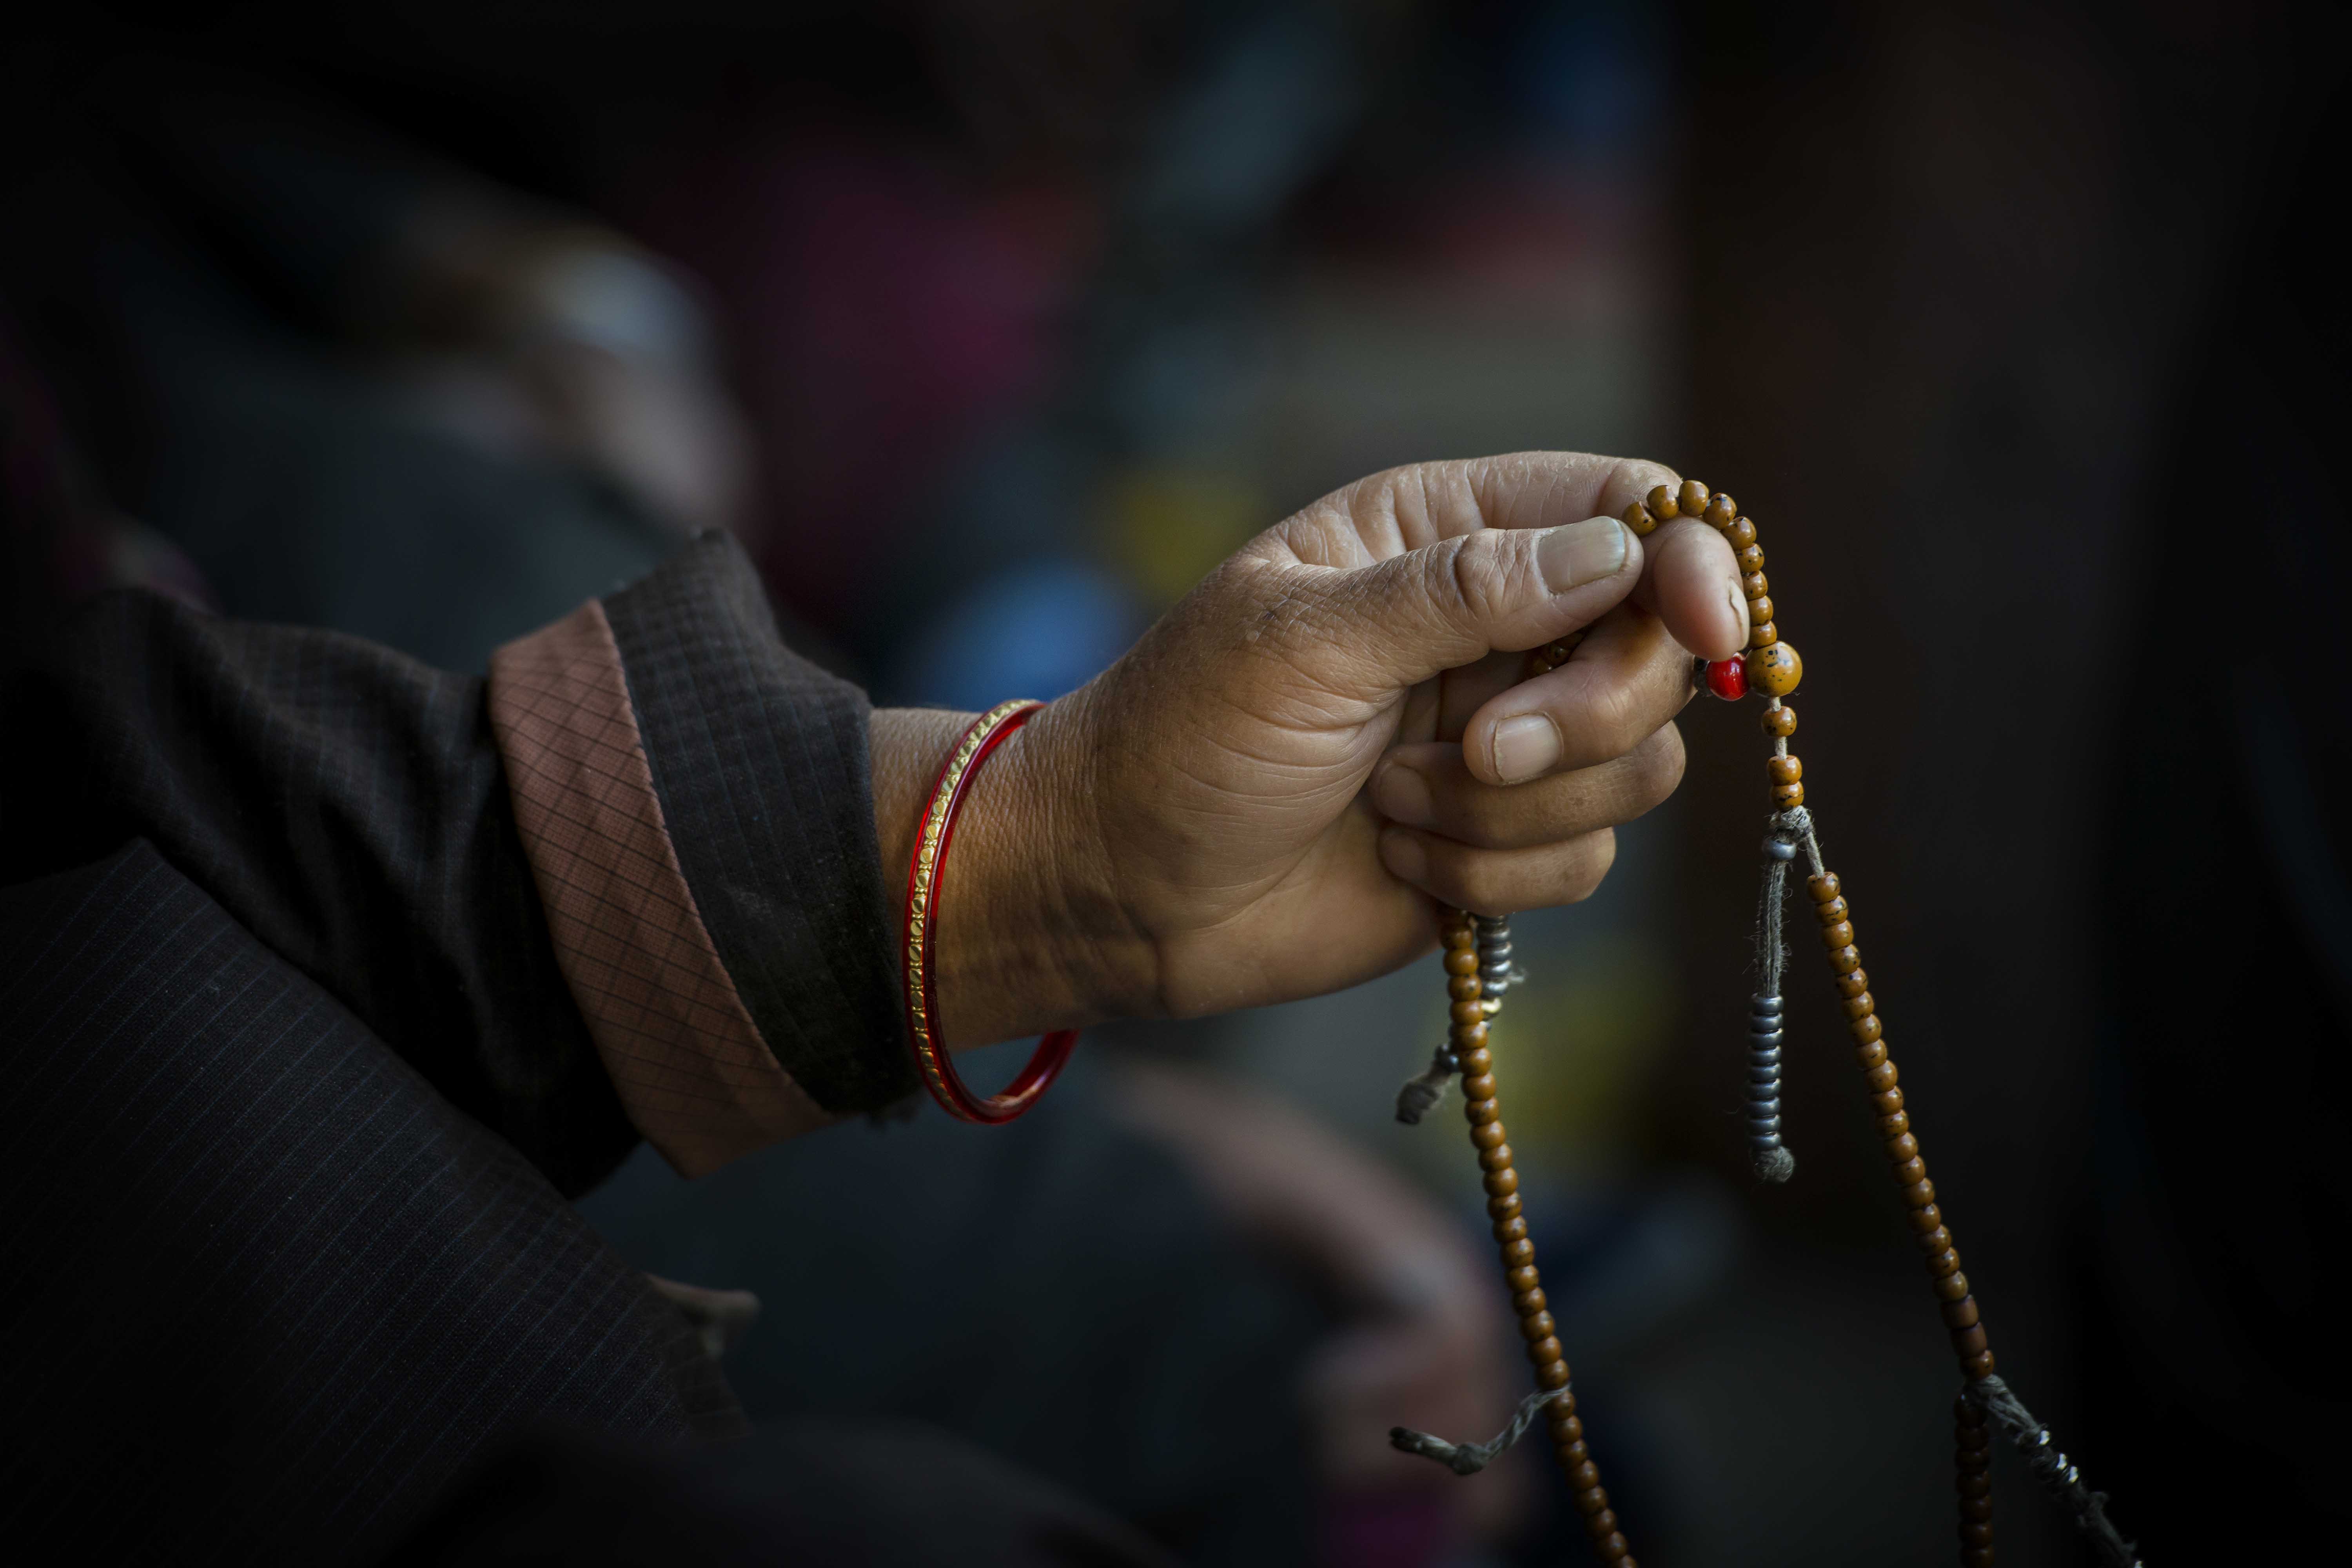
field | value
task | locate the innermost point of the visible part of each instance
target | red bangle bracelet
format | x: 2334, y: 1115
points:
x: 924, y: 872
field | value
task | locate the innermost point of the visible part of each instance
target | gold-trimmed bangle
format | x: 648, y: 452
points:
x: 933, y: 835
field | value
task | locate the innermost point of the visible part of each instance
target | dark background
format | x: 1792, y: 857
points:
x: 2018, y: 330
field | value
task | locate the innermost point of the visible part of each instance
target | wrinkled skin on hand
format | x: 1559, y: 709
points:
x: 1271, y: 795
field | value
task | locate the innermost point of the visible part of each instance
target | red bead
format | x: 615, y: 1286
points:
x: 1728, y: 678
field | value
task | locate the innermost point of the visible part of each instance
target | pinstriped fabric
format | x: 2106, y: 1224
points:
x: 267, y: 1292
x: 689, y: 1065
x: 765, y: 755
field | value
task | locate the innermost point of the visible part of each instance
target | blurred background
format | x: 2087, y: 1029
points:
x: 990, y: 327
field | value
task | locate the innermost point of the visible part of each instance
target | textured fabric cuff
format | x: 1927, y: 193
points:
x: 759, y: 759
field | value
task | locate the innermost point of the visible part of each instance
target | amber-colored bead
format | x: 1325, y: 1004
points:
x: 1854, y: 983
x: 1780, y: 722
x: 1465, y: 988
x: 1544, y: 1351
x: 1775, y: 670
x: 1927, y: 1219
x: 1692, y: 498
x: 1903, y: 1146
x: 1859, y: 1005
x: 1468, y: 1011
x: 1522, y: 1279
x: 1910, y: 1171
x: 1973, y: 1486
x: 1760, y: 614
x: 1829, y: 911
x: 1720, y: 510
x: 1552, y: 1377
x: 1979, y: 1365
x: 1754, y: 586
x: 1517, y: 1252
x: 1751, y: 558
x: 1502, y: 1183
x: 1838, y: 934
x: 1844, y: 959
x: 1888, y: 1126
x: 1503, y: 1207
x: 1638, y: 519
x: 1824, y: 888
x: 1588, y: 1500
x: 1784, y: 770
x: 1584, y: 1477
x: 1488, y: 1134
x: 1787, y: 795
x: 1468, y: 1037
x: 1537, y: 1326
x: 1951, y: 1287
x: 1936, y: 1237
x: 1742, y: 534
x: 1866, y: 1029
x: 1459, y: 962
x: 1604, y: 1523
x: 1944, y: 1264
x: 1512, y: 1229
x: 1661, y: 504
x: 1960, y: 1314
x: 1614, y: 1551
x: 1761, y: 633
x: 1920, y: 1195
x: 1571, y: 1450
x: 1888, y: 1102
x: 1870, y: 1056
x: 1566, y: 1426
x: 1473, y: 1061
x: 1881, y: 1077
x: 1479, y: 1087
x: 1969, y: 1340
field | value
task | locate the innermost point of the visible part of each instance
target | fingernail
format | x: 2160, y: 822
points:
x: 1580, y: 552
x: 1524, y: 746
x: 1402, y: 795
x: 1739, y: 613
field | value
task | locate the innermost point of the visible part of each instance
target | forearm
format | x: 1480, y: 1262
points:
x: 1030, y: 937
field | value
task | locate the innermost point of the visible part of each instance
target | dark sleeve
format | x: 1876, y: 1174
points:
x: 373, y: 822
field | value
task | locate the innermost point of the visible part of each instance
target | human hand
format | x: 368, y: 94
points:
x: 1192, y: 831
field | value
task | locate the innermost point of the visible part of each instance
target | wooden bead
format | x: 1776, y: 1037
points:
x: 1613, y: 1551
x: 1661, y: 504
x: 1936, y: 1237
x: 1775, y: 670
x: 1969, y: 1340
x: 1930, y: 1218
x: 1522, y: 1279
x: 1459, y: 962
x: 1974, y: 1534
x: 1973, y: 1486
x: 1754, y: 586
x: 1760, y: 614
x: 1979, y: 1366
x: 1544, y: 1351
x: 1468, y: 1037
x: 1474, y: 1061
x: 1881, y: 1077
x: 1457, y: 931
x: 1784, y: 770
x: 1762, y: 633
x: 1751, y: 558
x: 1919, y: 1196
x: 1951, y: 1287
x: 1960, y: 1314
x: 1566, y: 1426
x: 1488, y: 1134
x: 1870, y: 1056
x: 1976, y: 1508
x: 1824, y: 887
x: 1604, y: 1523
x: 1537, y: 1326
x: 1945, y: 1264
x: 1590, y: 1501
x: 1571, y: 1450
x: 1465, y: 988
x: 1552, y: 1377
x: 1479, y: 1087
x: 1888, y: 1126
x: 1865, y: 1029
x: 1855, y: 984
x: 1838, y: 934
x: 1502, y: 1183
x: 1902, y: 1146
x: 1780, y: 722
x: 1911, y: 1169
x: 1481, y: 1112
x: 1859, y: 1005
x: 1720, y: 510
x: 1692, y: 498
x: 1829, y: 911
x: 1787, y: 795
x: 1511, y: 1230
x: 1503, y: 1207
x: 1638, y: 519
x: 1888, y: 1103
x: 1844, y: 959
x: 1742, y: 534
x: 1519, y: 1254
x: 1584, y: 1477
x: 1469, y: 1011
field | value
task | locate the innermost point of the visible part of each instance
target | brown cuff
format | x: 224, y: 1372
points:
x: 680, y: 1046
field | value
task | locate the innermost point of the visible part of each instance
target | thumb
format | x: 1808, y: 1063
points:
x: 1403, y: 620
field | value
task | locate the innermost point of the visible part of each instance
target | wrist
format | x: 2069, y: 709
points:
x: 1030, y: 934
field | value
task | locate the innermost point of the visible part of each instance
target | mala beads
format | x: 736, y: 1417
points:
x: 1772, y: 669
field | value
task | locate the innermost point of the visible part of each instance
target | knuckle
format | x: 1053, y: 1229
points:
x: 1658, y: 767
x: 1588, y: 868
